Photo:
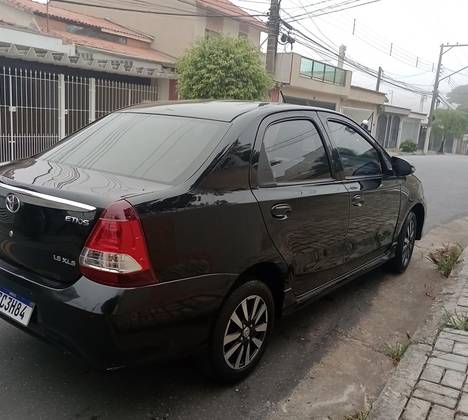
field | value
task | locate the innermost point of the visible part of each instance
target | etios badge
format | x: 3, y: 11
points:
x: 12, y: 203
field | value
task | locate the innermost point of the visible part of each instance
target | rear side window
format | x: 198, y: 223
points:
x: 293, y: 151
x: 358, y: 156
x: 166, y: 149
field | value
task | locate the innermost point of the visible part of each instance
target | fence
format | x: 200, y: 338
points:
x: 37, y: 109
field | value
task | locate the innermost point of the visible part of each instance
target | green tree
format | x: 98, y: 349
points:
x: 459, y: 96
x: 222, y: 68
x: 450, y: 123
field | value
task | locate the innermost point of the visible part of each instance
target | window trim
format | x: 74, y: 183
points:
x: 354, y: 177
x: 325, y: 145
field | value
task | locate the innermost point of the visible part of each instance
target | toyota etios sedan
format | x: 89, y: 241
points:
x: 163, y: 229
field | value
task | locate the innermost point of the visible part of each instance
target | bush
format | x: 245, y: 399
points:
x: 408, y: 146
x: 222, y: 68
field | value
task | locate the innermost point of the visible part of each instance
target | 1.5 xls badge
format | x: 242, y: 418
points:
x: 64, y: 260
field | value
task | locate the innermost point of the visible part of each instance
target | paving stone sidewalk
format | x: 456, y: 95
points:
x: 431, y: 381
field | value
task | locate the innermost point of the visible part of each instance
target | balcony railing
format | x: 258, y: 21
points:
x: 322, y: 72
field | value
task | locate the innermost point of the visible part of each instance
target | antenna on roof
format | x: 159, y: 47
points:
x: 47, y: 11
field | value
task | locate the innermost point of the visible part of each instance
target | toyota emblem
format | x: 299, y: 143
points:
x: 12, y: 203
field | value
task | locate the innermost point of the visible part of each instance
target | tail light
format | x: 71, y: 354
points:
x: 115, y: 253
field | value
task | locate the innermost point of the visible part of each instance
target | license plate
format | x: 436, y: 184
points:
x: 15, y: 307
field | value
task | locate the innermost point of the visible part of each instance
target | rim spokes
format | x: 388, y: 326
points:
x: 408, y: 241
x: 245, y: 332
x: 239, y: 358
x: 247, y: 354
x: 229, y: 338
x: 236, y: 320
x: 260, y: 312
x: 232, y: 350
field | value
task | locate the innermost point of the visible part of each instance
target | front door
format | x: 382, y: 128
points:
x: 304, y: 207
x: 374, y: 196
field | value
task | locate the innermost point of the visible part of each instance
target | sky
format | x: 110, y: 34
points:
x: 415, y: 27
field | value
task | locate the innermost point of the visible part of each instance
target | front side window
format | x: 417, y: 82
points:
x: 358, y: 156
x: 293, y: 151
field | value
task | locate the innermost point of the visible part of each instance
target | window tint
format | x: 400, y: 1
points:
x: 357, y: 154
x: 160, y: 148
x: 294, y: 152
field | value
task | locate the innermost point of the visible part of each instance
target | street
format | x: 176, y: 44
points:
x: 326, y: 360
x: 445, y: 187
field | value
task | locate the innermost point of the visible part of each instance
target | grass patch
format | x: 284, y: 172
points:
x: 456, y: 321
x: 361, y: 415
x: 397, y: 350
x: 446, y: 257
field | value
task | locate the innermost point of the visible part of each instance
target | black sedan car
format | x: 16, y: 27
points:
x: 163, y: 229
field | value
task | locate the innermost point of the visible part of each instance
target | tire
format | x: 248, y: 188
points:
x: 405, y: 245
x: 238, y: 341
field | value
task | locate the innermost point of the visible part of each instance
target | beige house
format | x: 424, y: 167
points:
x: 305, y: 81
x: 172, y: 35
x: 396, y: 125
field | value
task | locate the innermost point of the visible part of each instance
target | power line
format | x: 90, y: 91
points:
x: 155, y: 12
x: 334, y: 9
x: 321, y: 49
x: 329, y: 52
x: 376, y: 41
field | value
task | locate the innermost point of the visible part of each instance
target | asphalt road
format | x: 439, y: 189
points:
x: 321, y: 359
x: 445, y: 180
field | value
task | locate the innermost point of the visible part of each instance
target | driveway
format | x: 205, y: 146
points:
x: 325, y: 361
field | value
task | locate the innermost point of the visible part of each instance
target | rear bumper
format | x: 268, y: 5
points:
x: 112, y: 327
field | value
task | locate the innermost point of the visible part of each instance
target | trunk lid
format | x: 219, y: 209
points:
x: 47, y: 211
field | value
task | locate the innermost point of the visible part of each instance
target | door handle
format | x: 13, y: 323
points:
x: 281, y: 211
x: 357, y: 200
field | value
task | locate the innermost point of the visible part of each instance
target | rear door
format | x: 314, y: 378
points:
x: 304, y: 207
x: 374, y: 191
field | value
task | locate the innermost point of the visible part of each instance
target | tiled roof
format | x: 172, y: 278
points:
x: 147, y: 54
x: 79, y: 18
x: 228, y: 8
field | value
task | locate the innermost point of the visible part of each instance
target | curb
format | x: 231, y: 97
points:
x: 396, y: 393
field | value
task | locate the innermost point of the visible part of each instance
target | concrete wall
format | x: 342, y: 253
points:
x: 307, y: 95
x: 18, y: 17
x: 173, y: 35
x: 358, y: 94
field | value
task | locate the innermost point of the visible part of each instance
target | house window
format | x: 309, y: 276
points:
x: 243, y: 35
x: 322, y: 72
x: 95, y: 33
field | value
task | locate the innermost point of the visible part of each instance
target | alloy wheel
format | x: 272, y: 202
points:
x: 245, y: 332
x: 408, y: 241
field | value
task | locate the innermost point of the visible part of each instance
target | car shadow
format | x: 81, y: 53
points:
x: 177, y: 389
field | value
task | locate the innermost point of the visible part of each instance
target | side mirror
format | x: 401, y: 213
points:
x: 401, y: 167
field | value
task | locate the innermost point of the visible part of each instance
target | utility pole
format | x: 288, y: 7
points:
x: 379, y: 78
x: 273, y: 32
x: 47, y: 11
x: 341, y: 56
x: 435, y: 94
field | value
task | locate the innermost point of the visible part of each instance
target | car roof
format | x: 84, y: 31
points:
x: 213, y: 110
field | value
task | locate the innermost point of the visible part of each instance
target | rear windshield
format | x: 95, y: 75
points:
x: 160, y: 148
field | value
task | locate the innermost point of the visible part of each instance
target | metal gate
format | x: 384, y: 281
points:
x: 37, y: 109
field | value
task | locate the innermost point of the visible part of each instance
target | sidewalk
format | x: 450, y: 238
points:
x: 431, y: 381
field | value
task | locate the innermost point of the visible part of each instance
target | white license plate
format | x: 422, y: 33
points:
x: 15, y: 307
